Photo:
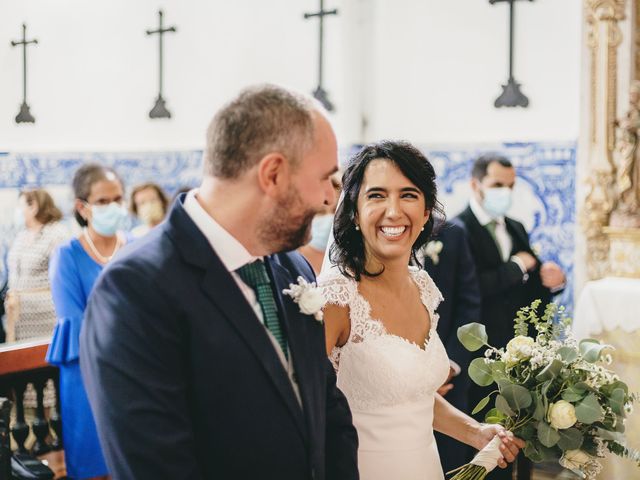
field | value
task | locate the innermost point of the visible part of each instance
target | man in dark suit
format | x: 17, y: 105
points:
x: 510, y: 274
x: 197, y: 365
x: 448, y: 261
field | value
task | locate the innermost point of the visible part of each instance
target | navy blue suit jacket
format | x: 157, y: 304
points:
x: 184, y: 381
x: 455, y: 275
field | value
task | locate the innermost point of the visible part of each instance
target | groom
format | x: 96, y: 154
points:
x: 197, y: 365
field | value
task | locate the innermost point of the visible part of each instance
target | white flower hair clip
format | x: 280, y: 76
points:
x: 308, y: 297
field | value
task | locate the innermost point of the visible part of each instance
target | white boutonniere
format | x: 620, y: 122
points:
x: 432, y: 250
x: 308, y: 297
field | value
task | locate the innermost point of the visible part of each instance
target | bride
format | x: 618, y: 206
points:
x: 381, y: 323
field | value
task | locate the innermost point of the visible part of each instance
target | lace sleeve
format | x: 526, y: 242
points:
x: 429, y: 292
x: 337, y: 290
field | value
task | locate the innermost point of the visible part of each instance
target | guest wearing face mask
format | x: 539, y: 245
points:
x: 321, y: 231
x: 510, y: 275
x: 149, y: 203
x: 30, y: 312
x: 100, y: 211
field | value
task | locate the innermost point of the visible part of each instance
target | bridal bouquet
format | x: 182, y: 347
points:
x: 553, y: 392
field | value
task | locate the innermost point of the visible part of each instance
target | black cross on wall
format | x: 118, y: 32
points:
x: 511, y: 95
x: 320, y: 93
x: 25, y: 115
x: 159, y: 110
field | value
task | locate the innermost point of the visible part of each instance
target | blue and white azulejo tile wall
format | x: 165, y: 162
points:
x: 544, y: 196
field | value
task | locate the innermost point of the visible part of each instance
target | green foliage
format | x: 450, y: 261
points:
x: 547, y: 435
x: 495, y: 416
x: 570, y: 439
x: 481, y: 404
x: 503, y: 406
x: 533, y: 374
x: 480, y: 372
x: 550, y: 372
x: 616, y: 401
x: 473, y: 336
x: 517, y: 396
x: 591, y: 350
x: 589, y: 410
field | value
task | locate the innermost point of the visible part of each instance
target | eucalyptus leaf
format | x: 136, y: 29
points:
x: 616, y: 401
x: 571, y: 396
x: 591, y: 350
x: 551, y: 371
x: 570, y: 439
x: 498, y: 370
x: 589, y: 410
x: 517, y: 396
x: 580, y: 387
x: 503, y: 406
x: 481, y: 404
x: 473, y: 336
x: 494, y: 416
x: 539, y: 411
x: 480, y: 372
x: 547, y: 435
x: 532, y: 452
x: 527, y: 432
x: 568, y: 354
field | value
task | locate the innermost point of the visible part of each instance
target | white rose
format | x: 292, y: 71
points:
x: 311, y: 301
x: 519, y: 348
x: 562, y: 415
x: 575, y: 459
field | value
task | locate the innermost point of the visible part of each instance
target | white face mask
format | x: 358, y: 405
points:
x: 497, y: 201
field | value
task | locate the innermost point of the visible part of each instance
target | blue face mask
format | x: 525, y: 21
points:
x: 106, y: 220
x: 320, y: 231
x: 497, y: 201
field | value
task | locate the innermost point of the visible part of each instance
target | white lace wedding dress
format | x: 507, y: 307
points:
x: 390, y: 384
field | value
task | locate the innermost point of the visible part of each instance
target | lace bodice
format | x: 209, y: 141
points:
x: 376, y: 368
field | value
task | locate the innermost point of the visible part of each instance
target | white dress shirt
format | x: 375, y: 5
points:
x: 233, y: 256
x: 503, y: 239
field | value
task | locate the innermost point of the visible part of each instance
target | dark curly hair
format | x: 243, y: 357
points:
x: 348, y: 251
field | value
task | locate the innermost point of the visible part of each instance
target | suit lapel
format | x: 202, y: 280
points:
x: 486, y: 244
x: 296, y: 325
x: 241, y: 316
x: 221, y: 289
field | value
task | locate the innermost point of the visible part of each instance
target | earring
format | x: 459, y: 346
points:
x: 422, y: 229
x: 357, y: 227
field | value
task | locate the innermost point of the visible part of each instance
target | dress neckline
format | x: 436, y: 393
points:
x: 413, y: 272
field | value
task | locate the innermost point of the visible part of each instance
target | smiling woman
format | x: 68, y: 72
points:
x: 380, y: 319
x: 383, y: 175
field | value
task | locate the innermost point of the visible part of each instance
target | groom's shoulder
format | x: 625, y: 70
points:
x: 154, y: 252
x: 296, y: 264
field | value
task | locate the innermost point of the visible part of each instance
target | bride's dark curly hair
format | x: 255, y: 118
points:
x: 348, y: 252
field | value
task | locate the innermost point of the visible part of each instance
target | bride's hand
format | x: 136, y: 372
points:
x: 510, y: 447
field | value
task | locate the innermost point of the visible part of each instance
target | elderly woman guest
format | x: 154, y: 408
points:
x: 29, y: 307
x: 149, y: 203
x: 100, y: 210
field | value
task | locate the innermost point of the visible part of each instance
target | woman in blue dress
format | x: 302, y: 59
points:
x: 99, y: 209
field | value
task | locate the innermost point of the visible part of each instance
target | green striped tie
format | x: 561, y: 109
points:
x: 491, y: 227
x: 255, y: 275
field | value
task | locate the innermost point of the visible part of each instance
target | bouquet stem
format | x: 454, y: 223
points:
x: 484, y: 461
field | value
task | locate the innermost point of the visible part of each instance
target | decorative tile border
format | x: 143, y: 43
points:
x: 544, y: 195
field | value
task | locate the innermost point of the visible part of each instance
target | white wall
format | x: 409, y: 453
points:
x: 425, y: 70
x: 439, y: 65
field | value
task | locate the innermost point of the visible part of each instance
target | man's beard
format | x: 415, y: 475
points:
x: 282, y: 230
